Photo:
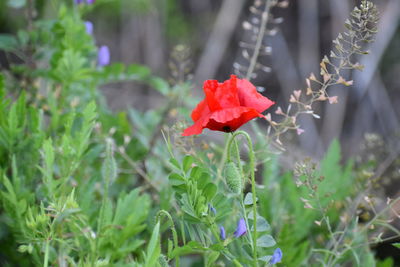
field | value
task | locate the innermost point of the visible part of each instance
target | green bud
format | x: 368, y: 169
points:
x: 162, y: 260
x: 109, y: 169
x: 25, y: 249
x: 233, y: 177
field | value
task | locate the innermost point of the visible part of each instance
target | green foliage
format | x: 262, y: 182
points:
x: 57, y: 196
x: 195, y: 191
x: 83, y: 186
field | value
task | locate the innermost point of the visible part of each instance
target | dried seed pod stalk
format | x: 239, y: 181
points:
x: 348, y: 46
x: 180, y: 64
x: 261, y: 23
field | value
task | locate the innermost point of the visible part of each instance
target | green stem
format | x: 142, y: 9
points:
x: 246, y: 219
x: 237, y: 151
x: 212, y: 227
x: 221, y: 163
x: 253, y: 187
x: 244, y: 181
x: 46, y: 253
x: 174, y: 233
x: 101, y: 214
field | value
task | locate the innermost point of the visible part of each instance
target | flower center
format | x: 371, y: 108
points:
x: 226, y: 129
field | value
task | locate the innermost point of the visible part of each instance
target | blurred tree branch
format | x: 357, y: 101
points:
x: 218, y: 41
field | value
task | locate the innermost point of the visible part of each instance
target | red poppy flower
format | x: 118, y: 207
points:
x: 227, y: 106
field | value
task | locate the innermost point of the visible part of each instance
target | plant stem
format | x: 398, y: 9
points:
x: 222, y: 161
x: 46, y: 253
x: 261, y: 33
x: 108, y: 173
x: 173, y: 229
x: 253, y: 187
x: 244, y: 181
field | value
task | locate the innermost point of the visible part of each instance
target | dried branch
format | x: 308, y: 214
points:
x: 361, y: 28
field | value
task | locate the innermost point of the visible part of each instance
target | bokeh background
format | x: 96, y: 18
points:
x: 212, y: 33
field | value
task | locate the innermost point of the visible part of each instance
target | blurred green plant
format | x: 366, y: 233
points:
x: 84, y: 186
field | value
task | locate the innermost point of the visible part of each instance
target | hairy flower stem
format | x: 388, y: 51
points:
x: 46, y: 253
x: 173, y: 229
x: 261, y: 33
x: 237, y: 152
x: 253, y: 187
x: 222, y: 162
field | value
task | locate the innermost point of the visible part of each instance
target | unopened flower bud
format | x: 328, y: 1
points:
x: 241, y: 228
x: 222, y: 233
x: 233, y: 177
x: 89, y: 27
x: 333, y: 99
x: 103, y: 56
x: 279, y: 111
x: 297, y: 94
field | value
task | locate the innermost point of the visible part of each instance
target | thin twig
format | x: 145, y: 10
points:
x: 260, y: 37
x: 141, y: 173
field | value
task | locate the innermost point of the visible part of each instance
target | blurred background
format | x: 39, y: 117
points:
x: 212, y: 36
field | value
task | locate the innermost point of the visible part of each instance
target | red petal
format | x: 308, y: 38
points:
x: 210, y: 87
x: 221, y: 95
x: 230, y: 119
x: 249, y: 97
x: 200, y: 110
x: 197, y: 127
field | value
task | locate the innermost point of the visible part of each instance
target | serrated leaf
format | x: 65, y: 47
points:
x: 65, y: 214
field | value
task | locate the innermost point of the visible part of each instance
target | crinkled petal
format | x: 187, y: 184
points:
x: 230, y: 119
x: 249, y: 97
x: 197, y: 127
x: 221, y: 95
x: 210, y: 87
x: 200, y: 110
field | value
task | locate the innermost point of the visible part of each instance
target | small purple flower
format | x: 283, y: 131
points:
x: 276, y: 257
x: 89, y: 2
x: 78, y: 2
x: 241, y: 228
x: 222, y: 233
x: 212, y: 209
x: 103, y: 56
x: 89, y: 27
